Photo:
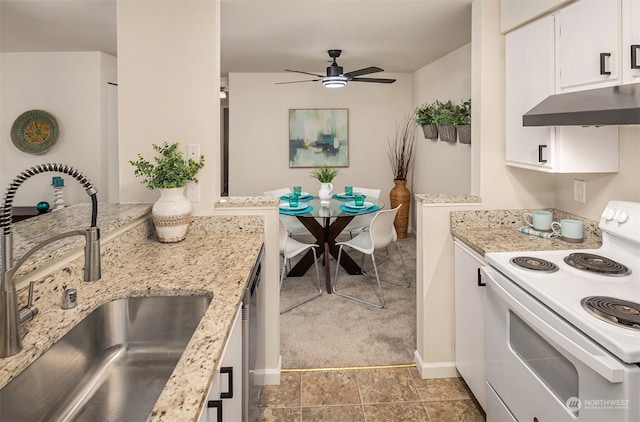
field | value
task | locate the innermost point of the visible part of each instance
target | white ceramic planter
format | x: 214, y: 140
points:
x: 171, y: 215
x: 325, y: 192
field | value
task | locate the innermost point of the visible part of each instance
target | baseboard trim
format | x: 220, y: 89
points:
x: 435, y: 369
x: 268, y: 376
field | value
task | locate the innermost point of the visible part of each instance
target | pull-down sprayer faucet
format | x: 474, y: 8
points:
x: 10, y: 319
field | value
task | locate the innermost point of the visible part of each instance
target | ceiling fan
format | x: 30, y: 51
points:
x: 335, y: 77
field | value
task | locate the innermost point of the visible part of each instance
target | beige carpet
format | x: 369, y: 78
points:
x: 332, y: 331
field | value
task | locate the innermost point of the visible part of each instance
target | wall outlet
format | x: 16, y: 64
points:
x: 579, y: 191
x: 193, y: 189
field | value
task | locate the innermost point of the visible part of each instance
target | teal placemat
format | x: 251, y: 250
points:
x: 300, y: 198
x: 354, y: 211
x: 296, y: 212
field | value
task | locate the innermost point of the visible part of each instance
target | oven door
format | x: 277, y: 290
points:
x: 544, y: 369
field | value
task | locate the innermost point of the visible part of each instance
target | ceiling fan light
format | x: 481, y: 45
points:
x: 334, y: 81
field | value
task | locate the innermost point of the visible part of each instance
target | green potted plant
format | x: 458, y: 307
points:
x: 169, y: 173
x: 325, y: 175
x: 446, y: 117
x: 464, y: 122
x: 425, y: 117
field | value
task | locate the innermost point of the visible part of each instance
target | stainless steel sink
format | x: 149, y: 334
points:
x: 112, y: 366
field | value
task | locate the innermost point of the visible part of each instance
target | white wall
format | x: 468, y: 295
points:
x: 72, y: 87
x: 602, y: 188
x: 259, y: 130
x: 168, y: 59
x: 442, y: 167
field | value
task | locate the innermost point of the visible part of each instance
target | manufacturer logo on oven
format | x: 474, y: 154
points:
x: 573, y: 404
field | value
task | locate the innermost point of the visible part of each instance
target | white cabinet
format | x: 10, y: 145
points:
x: 469, y: 322
x: 530, y: 78
x: 596, y: 44
x: 588, y: 45
x: 224, y: 401
x: 630, y: 41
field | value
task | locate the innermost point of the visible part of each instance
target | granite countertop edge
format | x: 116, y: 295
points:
x: 487, y: 231
x: 135, y: 264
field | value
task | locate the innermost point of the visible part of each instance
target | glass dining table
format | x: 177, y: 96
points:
x: 326, y: 221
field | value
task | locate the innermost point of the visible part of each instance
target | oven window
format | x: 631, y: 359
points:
x: 553, y: 369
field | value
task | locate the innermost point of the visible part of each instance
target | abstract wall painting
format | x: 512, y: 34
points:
x: 318, y: 136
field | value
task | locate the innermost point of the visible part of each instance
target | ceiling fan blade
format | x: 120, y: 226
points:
x: 380, y: 81
x: 363, y: 71
x: 295, y: 82
x: 305, y: 73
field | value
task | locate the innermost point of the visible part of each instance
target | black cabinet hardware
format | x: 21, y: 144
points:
x: 229, y: 371
x: 480, y: 282
x: 603, y: 59
x: 634, y: 56
x: 540, y: 160
x: 217, y: 404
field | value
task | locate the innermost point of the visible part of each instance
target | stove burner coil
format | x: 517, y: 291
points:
x: 618, y: 312
x: 596, y: 264
x: 534, y: 264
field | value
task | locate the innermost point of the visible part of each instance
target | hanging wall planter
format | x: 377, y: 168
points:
x: 425, y: 117
x: 464, y: 134
x: 430, y: 131
x: 447, y: 133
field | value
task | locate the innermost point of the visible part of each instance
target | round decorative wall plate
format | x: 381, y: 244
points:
x: 34, y: 132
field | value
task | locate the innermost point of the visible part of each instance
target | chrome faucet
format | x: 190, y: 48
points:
x: 10, y: 316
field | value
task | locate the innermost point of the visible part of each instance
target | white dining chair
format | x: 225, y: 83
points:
x: 294, y: 226
x: 289, y: 248
x: 362, y: 222
x: 380, y: 234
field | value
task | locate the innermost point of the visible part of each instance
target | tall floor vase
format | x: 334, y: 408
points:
x: 401, y: 195
x: 171, y: 215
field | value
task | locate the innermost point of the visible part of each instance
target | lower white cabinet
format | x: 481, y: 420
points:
x: 224, y: 401
x: 469, y: 320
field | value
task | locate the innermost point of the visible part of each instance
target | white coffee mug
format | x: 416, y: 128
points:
x: 571, y: 230
x: 540, y: 220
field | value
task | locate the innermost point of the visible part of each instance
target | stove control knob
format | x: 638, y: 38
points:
x: 621, y: 216
x: 608, y: 214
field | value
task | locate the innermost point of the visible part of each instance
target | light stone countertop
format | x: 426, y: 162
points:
x: 497, y: 231
x: 447, y: 198
x: 215, y: 259
x: 29, y: 233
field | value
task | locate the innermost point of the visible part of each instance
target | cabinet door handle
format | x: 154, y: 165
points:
x: 603, y: 57
x: 217, y: 404
x: 540, y: 160
x: 229, y: 371
x: 634, y: 56
x: 480, y: 282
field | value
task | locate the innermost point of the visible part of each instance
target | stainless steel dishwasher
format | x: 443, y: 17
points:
x: 249, y: 334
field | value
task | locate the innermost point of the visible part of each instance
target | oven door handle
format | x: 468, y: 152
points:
x: 607, y: 366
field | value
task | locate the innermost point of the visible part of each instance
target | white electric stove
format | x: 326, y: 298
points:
x: 563, y: 327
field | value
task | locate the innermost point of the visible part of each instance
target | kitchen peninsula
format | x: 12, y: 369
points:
x: 215, y: 259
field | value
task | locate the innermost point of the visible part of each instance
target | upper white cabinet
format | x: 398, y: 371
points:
x: 631, y: 41
x: 530, y: 76
x: 528, y: 80
x: 588, y: 45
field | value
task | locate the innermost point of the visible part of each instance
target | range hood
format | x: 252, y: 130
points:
x: 611, y: 106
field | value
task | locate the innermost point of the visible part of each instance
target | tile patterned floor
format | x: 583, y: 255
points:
x: 367, y: 395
